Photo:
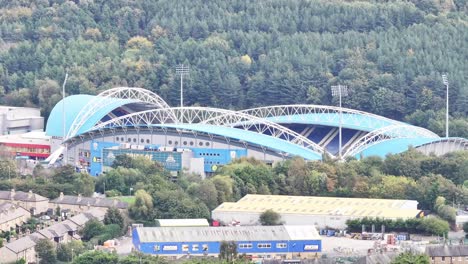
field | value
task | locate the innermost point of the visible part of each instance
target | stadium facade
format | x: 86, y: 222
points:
x: 90, y: 131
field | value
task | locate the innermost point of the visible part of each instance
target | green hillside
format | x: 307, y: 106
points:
x: 243, y: 53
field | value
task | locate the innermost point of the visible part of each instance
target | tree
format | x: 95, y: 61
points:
x: 228, y: 251
x: 270, y: 217
x: 45, y: 250
x: 143, y: 206
x: 113, y: 216
x: 410, y: 258
x: 96, y: 257
x: 91, y: 229
x: 68, y: 251
x: 140, y: 258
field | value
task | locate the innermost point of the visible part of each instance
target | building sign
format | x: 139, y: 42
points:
x: 311, y: 247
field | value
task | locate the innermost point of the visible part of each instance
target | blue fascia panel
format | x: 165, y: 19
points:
x: 393, y: 146
x: 96, y: 161
x: 217, y: 157
x: 196, y: 248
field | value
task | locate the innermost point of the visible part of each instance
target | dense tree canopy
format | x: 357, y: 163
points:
x: 243, y: 53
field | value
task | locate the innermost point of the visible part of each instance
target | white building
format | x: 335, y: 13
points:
x: 17, y: 120
x: 323, y: 212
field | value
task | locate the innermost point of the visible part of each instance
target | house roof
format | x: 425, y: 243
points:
x: 90, y: 201
x: 82, y: 218
x: 9, y: 212
x: 21, y: 244
x: 226, y: 233
x: 21, y: 196
x: 447, y: 251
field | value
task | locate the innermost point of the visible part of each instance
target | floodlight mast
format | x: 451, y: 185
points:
x: 182, y: 70
x: 340, y: 90
x: 446, y: 83
x: 64, y: 117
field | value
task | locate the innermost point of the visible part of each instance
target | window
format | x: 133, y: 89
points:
x: 207, y: 144
x: 200, y: 143
x: 169, y: 142
x: 116, y: 138
x: 264, y: 245
x: 134, y: 140
x: 245, y: 245
x: 129, y: 140
x: 191, y: 143
x: 205, y: 247
x: 157, y: 248
x: 185, y: 143
x: 176, y: 143
x: 142, y: 140
x: 281, y: 245
x: 147, y: 141
x: 185, y: 247
x: 443, y: 258
x: 194, y: 247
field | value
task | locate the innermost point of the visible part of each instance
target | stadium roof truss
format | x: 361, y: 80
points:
x: 108, y: 97
x: 387, y: 133
x: 320, y: 113
x: 209, y: 116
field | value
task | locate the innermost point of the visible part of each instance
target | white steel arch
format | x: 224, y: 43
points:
x: 102, y: 100
x: 387, y: 133
x: 359, y: 118
x: 212, y: 116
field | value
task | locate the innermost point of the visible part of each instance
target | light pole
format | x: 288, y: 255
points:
x: 446, y: 83
x: 182, y: 70
x: 340, y: 90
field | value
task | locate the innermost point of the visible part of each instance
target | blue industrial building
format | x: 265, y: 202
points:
x: 88, y: 130
x: 286, y: 242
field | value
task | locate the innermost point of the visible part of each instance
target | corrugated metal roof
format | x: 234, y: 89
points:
x: 226, y: 233
x: 311, y: 205
x: 183, y: 222
x: 447, y: 251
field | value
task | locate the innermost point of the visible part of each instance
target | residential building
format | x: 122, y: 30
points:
x: 79, y: 204
x: 256, y: 242
x: 22, y: 248
x: 323, y: 212
x: 35, y: 203
x: 12, y: 215
x: 448, y: 254
x: 63, y: 232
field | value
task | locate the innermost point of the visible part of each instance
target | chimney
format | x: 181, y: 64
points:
x: 61, y: 196
x: 30, y: 194
x: 12, y: 194
x: 79, y: 198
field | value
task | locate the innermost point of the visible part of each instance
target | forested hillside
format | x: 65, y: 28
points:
x: 243, y: 53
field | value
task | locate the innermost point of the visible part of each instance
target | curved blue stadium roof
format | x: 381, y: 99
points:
x: 351, y: 121
x: 73, y: 105
x: 393, y: 146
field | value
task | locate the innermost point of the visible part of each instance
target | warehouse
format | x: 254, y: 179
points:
x: 323, y: 212
x: 289, y: 242
x: 182, y: 222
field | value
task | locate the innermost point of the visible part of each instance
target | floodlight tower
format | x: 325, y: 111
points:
x: 64, y: 117
x: 340, y: 90
x: 446, y: 83
x: 182, y: 70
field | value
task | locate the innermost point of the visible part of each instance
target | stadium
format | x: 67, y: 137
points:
x: 90, y: 131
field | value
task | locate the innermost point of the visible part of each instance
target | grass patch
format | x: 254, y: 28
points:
x: 128, y: 199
